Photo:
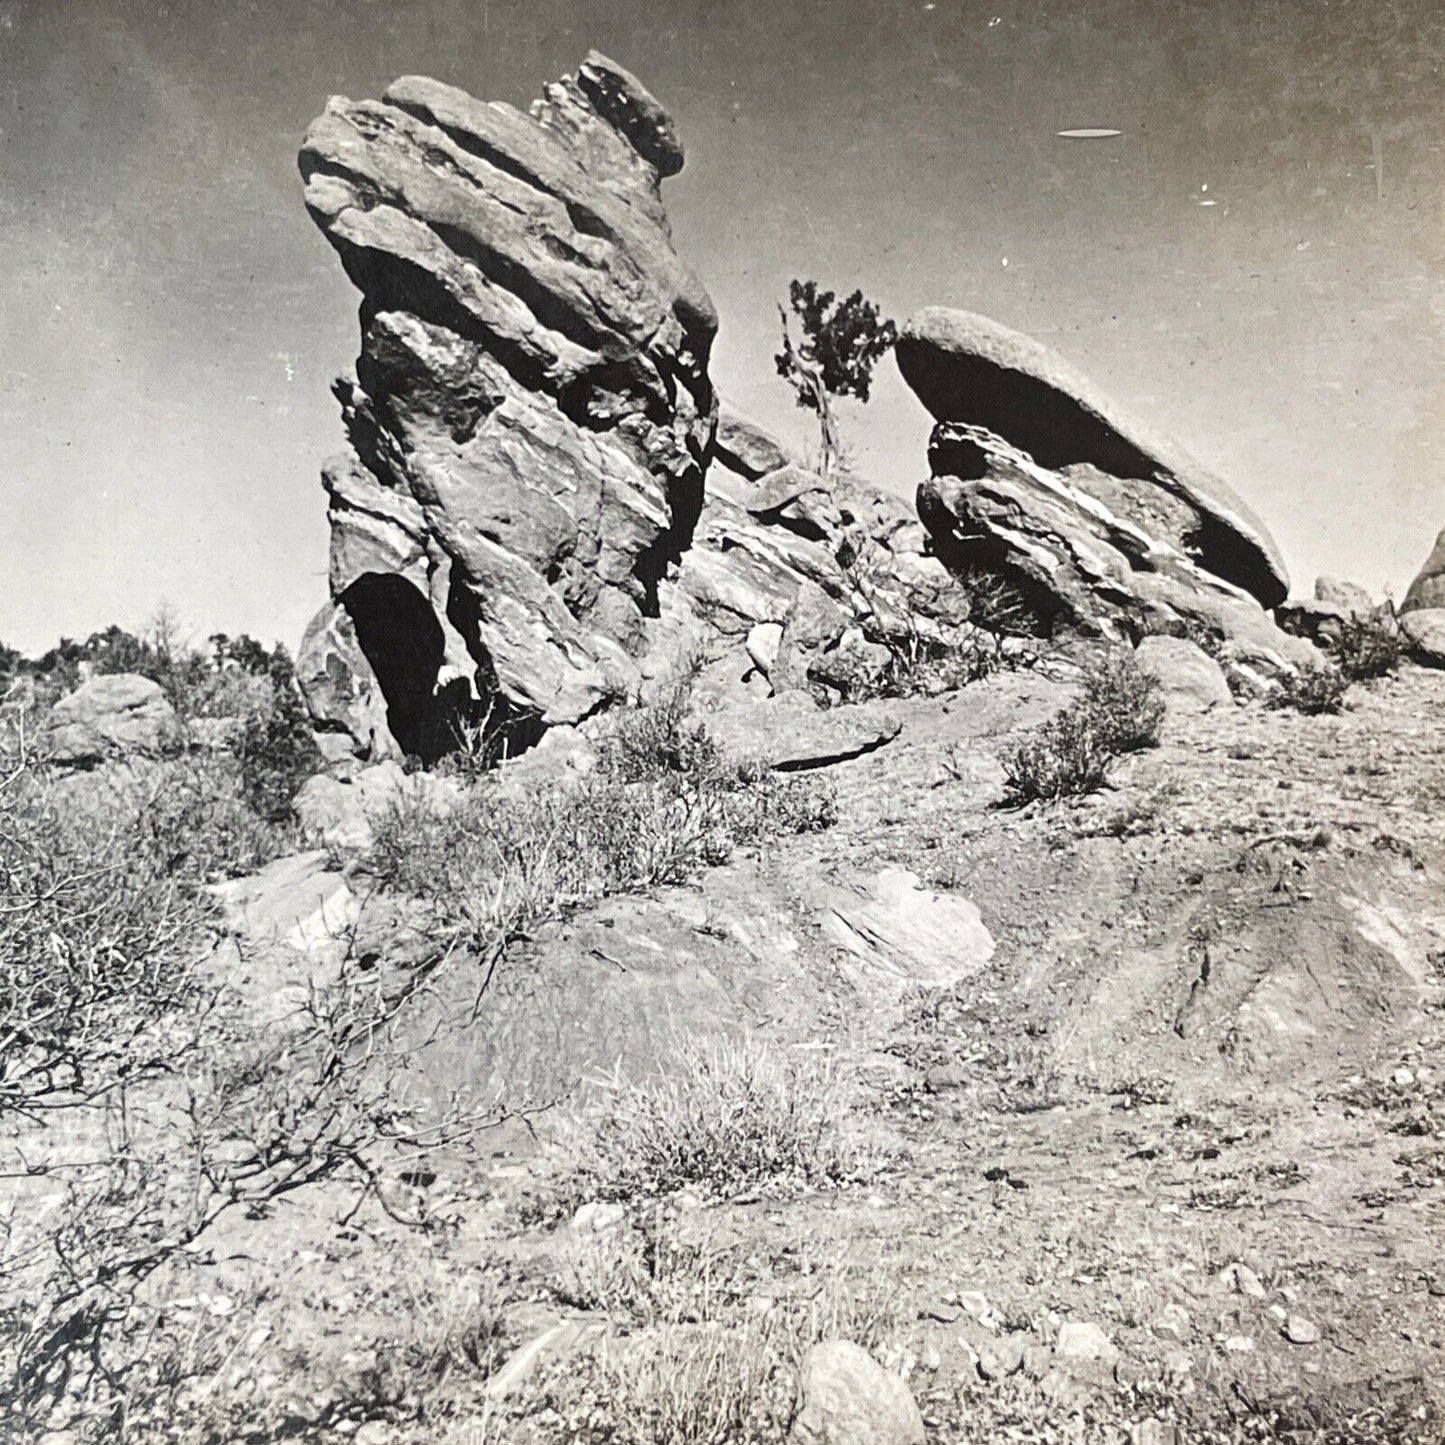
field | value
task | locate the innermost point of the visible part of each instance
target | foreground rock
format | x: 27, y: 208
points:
x: 847, y: 1398
x: 1191, y: 680
x: 112, y: 716
x: 966, y: 368
x: 1425, y: 631
x: 531, y: 409
x: 900, y: 935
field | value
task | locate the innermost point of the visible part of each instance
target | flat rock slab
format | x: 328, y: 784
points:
x: 901, y: 934
x: 790, y: 733
x: 298, y: 903
x: 1191, y: 680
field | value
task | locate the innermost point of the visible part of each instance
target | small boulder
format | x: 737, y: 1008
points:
x: 1241, y: 1279
x: 1348, y: 595
x: 744, y: 447
x: 114, y: 715
x: 848, y: 1398
x: 814, y: 625
x: 1193, y: 682
x: 762, y: 646
x: 341, y: 815
x: 1425, y: 632
x: 1083, y: 1340
x: 1300, y: 1331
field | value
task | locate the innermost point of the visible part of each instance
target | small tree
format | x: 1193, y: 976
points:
x: 841, y: 343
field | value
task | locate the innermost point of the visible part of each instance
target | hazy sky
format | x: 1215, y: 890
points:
x: 172, y: 319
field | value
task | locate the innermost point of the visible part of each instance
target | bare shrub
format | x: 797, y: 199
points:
x: 665, y: 803
x: 1367, y: 646
x: 1123, y: 703
x: 720, y: 1117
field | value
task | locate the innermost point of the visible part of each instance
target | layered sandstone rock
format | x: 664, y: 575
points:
x: 530, y: 414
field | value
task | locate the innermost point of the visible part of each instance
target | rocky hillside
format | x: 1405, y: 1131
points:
x: 746, y: 959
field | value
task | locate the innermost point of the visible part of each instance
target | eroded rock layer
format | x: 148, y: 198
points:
x: 530, y: 413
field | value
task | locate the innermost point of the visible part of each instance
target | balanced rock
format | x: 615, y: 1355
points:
x: 112, y: 716
x: 531, y: 412
x: 848, y: 1398
x: 967, y: 368
x: 1099, y: 528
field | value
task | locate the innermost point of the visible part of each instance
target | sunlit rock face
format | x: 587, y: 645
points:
x: 1101, y: 528
x: 530, y: 415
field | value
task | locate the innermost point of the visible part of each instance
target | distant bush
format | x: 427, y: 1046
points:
x: 1312, y: 689
x: 720, y: 1116
x: 1119, y: 711
x: 1367, y: 646
x: 276, y: 750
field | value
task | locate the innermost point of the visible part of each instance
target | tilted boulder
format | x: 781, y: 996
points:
x: 1098, y: 527
x: 967, y: 368
x: 531, y: 413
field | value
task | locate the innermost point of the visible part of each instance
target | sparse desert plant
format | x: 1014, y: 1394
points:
x: 1120, y: 710
x: 1122, y: 703
x: 1066, y: 757
x: 1313, y: 689
x: 664, y: 803
x: 1368, y: 646
x: 720, y: 1116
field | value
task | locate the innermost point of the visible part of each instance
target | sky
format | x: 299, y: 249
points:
x: 1255, y: 264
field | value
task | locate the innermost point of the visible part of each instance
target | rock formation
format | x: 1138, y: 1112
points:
x: 1422, y: 613
x: 111, y: 716
x: 518, y: 530
x: 1102, y: 528
x: 531, y: 412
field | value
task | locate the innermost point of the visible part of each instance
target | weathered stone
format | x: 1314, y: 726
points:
x: 815, y: 624
x: 744, y: 447
x: 1080, y: 567
x: 901, y: 935
x: 847, y: 1398
x: 1424, y: 629
x: 1083, y: 1340
x: 790, y: 732
x: 531, y: 412
x: 1349, y: 595
x: 1192, y: 681
x: 1427, y: 591
x: 762, y: 645
x: 1321, y: 623
x: 113, y: 715
x: 342, y: 815
x: 967, y: 368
